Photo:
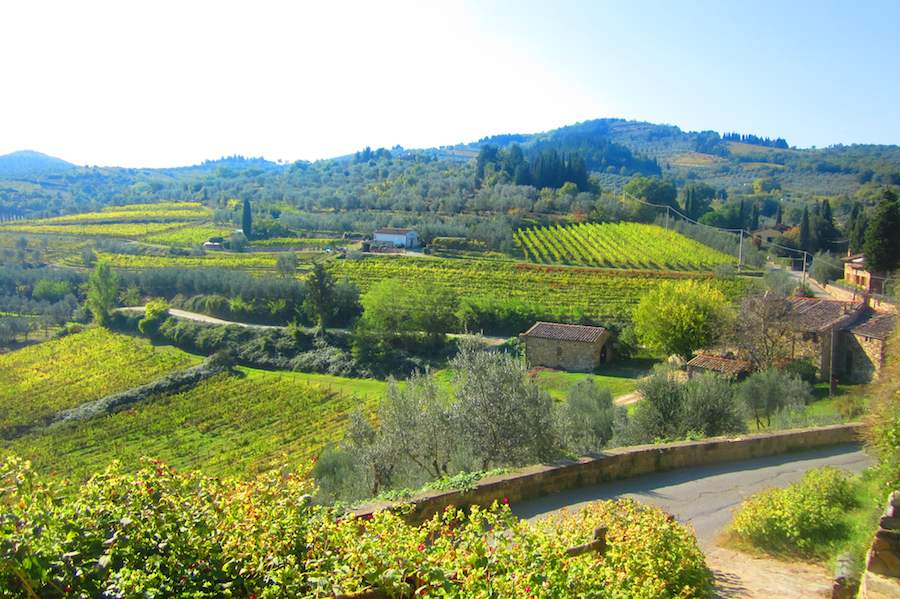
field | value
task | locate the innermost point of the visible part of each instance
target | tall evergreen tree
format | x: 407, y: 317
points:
x: 856, y: 228
x: 805, y: 234
x: 754, y: 217
x: 882, y: 240
x: 247, y: 220
x: 778, y: 215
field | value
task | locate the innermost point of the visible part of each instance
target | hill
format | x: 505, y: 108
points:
x: 27, y: 162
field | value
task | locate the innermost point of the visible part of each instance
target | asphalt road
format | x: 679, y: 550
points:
x: 704, y: 497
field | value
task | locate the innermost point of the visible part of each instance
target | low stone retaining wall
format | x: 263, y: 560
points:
x: 881, y: 578
x: 615, y: 464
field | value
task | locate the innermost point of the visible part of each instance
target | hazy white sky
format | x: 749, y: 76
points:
x: 164, y: 83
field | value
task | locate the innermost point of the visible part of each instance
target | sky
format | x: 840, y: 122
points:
x: 170, y: 83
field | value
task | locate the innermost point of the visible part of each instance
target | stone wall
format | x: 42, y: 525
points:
x: 815, y: 348
x: 881, y: 578
x: 615, y: 464
x: 864, y: 355
x: 578, y: 356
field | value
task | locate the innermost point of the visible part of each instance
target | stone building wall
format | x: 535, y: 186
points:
x: 860, y: 358
x: 813, y: 347
x: 577, y: 356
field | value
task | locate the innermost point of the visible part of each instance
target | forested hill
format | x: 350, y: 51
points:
x: 496, y: 174
x: 26, y: 162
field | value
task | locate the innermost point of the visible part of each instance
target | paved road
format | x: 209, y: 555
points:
x: 704, y: 497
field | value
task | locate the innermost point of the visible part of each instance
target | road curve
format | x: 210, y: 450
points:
x: 704, y: 497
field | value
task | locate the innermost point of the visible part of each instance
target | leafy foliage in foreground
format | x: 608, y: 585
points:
x: 800, y: 519
x: 161, y: 533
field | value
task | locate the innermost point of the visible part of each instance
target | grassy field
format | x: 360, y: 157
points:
x: 617, y: 245
x: 602, y: 295
x: 226, y: 425
x: 619, y: 377
x: 40, y: 380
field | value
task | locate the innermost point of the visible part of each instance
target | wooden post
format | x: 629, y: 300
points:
x: 598, y: 544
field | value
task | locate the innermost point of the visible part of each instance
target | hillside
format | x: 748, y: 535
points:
x: 446, y: 180
x: 27, y: 162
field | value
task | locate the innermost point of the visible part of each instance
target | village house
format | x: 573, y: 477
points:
x: 843, y: 339
x: 405, y: 238
x: 770, y: 234
x: 856, y: 273
x: 578, y: 348
x: 732, y: 368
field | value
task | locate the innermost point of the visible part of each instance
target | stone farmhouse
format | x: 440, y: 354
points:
x: 842, y: 339
x: 405, y: 238
x: 578, y: 348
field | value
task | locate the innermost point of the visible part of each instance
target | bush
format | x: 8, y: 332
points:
x: 265, y: 538
x: 826, y: 268
x: 804, y: 369
x: 586, y: 419
x: 800, y: 519
x: 156, y: 311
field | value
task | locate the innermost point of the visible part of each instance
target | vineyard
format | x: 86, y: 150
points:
x: 247, y: 261
x: 617, y: 245
x: 40, y: 380
x: 598, y: 295
x: 225, y: 425
x: 189, y: 235
x: 124, y: 230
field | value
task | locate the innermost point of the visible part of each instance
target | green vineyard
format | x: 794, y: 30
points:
x: 599, y: 295
x: 38, y: 381
x: 617, y: 245
x: 229, y: 424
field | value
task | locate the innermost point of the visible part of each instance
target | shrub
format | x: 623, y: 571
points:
x: 800, y: 519
x: 804, y: 369
x: 158, y: 532
x: 156, y: 311
x: 586, y: 419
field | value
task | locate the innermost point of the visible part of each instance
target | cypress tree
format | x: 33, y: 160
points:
x: 882, y: 239
x: 247, y: 220
x: 754, y: 217
x: 804, y: 230
x: 778, y: 215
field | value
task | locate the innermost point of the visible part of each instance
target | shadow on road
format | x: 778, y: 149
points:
x: 648, y: 485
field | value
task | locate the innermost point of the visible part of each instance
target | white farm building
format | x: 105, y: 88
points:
x: 407, y: 238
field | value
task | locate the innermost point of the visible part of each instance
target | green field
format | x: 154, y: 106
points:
x: 124, y: 230
x: 193, y: 234
x: 620, y: 377
x: 40, y: 380
x: 225, y: 425
x: 617, y: 245
x: 601, y: 295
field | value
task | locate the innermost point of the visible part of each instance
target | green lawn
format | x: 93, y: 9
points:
x: 619, y: 377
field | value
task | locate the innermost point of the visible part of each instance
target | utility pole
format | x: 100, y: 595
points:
x: 741, y: 251
x: 804, y: 267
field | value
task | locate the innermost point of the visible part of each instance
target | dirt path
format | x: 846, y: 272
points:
x: 739, y: 575
x: 627, y: 399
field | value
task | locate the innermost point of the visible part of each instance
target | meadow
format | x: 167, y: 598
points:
x: 236, y: 424
x: 40, y: 380
x: 188, y: 235
x: 124, y: 230
x: 617, y: 245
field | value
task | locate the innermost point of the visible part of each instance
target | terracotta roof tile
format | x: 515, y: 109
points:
x: 879, y: 326
x: 813, y: 314
x: 719, y: 364
x: 565, y: 332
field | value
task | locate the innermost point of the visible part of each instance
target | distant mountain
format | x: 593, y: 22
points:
x: 27, y: 162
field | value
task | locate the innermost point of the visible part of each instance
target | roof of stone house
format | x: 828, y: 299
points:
x: 564, y: 332
x: 393, y: 231
x: 719, y: 364
x: 854, y: 257
x: 814, y: 314
x: 875, y: 325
